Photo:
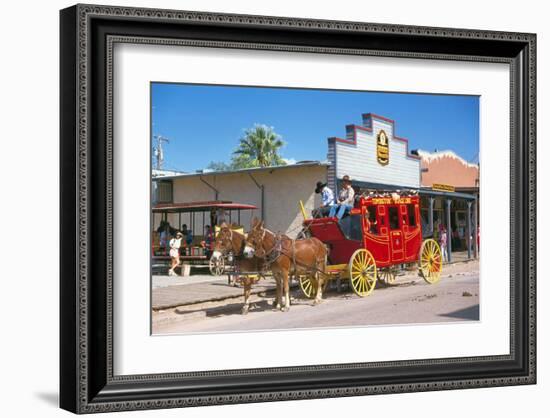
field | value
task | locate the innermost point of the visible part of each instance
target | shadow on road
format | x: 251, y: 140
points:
x: 228, y: 309
x: 471, y: 313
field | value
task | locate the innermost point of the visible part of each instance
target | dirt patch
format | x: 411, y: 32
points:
x: 424, y: 298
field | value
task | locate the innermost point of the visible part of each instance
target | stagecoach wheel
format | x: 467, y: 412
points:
x: 216, y: 266
x: 362, y: 272
x: 387, y: 275
x: 430, y: 261
x: 308, y: 286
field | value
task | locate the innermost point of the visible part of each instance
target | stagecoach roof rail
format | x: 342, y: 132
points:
x: 386, y: 193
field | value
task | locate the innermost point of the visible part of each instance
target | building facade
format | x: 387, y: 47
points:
x: 373, y: 156
x: 446, y: 176
x: 275, y: 191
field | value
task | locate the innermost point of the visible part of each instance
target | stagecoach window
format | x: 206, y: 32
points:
x: 351, y: 227
x: 412, y: 217
x: 394, y: 217
x: 371, y: 218
x: 371, y: 213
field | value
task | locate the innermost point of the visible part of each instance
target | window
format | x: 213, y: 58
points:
x: 394, y: 217
x: 411, y: 214
x: 371, y: 220
x: 164, y: 192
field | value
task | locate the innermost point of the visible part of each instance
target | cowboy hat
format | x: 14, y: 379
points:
x: 346, y: 179
x: 320, y: 186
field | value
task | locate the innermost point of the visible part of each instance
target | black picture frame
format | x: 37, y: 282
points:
x: 87, y: 35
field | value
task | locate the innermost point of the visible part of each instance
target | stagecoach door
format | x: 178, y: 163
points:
x: 396, y: 233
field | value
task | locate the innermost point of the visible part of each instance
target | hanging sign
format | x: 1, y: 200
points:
x: 443, y: 187
x: 382, y: 148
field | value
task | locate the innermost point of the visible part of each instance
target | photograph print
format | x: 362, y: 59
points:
x: 280, y: 208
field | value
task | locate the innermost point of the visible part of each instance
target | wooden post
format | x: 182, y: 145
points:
x: 431, y: 215
x: 476, y: 249
x: 469, y: 239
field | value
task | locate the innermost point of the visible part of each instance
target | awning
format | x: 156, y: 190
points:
x: 450, y: 195
x: 201, y: 206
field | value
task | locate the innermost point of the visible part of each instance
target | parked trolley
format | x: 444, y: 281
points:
x: 196, y: 215
x: 381, y: 235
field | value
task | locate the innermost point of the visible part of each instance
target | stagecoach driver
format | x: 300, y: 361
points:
x: 327, y: 199
x: 346, y: 199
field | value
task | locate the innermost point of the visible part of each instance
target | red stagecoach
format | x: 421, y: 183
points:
x: 382, y: 232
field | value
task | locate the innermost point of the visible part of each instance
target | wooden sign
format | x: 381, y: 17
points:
x: 443, y: 187
x: 382, y: 148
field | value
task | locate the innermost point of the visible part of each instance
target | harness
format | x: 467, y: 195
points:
x: 277, y: 251
x: 233, y: 257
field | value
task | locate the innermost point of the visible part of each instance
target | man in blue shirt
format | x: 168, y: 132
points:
x: 327, y: 198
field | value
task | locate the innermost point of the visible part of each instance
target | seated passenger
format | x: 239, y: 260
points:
x: 346, y: 199
x: 327, y: 200
x: 373, y: 226
x: 208, y: 240
x: 188, y: 234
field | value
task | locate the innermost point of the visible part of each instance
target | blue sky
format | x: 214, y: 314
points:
x: 204, y: 123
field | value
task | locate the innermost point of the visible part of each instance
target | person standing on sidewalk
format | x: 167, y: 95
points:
x: 443, y: 242
x: 175, y: 244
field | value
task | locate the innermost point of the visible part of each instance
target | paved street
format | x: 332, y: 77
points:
x: 409, y: 300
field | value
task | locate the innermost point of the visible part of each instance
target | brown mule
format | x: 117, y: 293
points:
x: 285, y: 257
x: 232, y: 242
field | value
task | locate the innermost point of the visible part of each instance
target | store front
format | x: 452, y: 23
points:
x: 458, y: 213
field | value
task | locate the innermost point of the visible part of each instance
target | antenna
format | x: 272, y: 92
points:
x: 158, y: 152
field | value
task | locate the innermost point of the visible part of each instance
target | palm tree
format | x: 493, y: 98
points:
x: 259, y: 147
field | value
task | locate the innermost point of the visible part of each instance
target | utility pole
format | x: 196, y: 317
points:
x: 158, y: 152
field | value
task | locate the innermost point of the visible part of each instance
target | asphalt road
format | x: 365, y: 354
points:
x: 409, y: 300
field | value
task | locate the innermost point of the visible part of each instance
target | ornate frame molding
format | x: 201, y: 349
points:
x: 77, y: 393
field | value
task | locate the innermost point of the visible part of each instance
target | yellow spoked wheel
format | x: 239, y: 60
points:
x: 362, y: 272
x: 309, y: 286
x: 431, y: 261
x: 387, y: 275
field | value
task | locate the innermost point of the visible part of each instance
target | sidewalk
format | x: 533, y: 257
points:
x: 169, y: 292
x: 461, y: 256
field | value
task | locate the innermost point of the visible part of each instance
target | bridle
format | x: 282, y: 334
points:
x: 252, y: 242
x: 271, y: 255
x: 223, y: 243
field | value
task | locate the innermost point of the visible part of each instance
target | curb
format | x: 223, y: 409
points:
x: 214, y: 299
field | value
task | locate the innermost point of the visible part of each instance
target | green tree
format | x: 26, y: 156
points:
x: 259, y: 147
x: 219, y: 166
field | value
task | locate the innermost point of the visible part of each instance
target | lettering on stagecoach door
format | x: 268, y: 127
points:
x: 382, y: 148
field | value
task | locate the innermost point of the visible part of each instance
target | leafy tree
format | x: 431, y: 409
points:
x: 259, y: 147
x: 219, y: 166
